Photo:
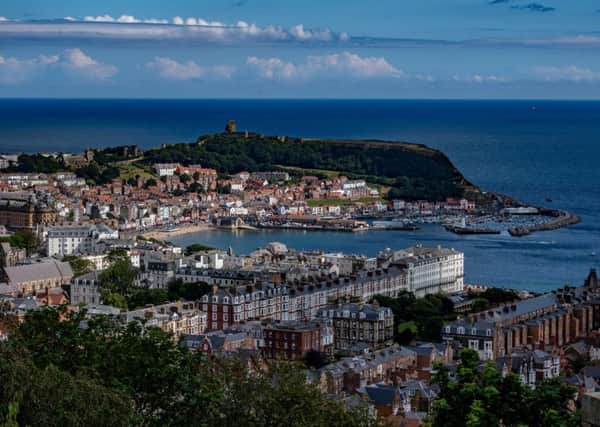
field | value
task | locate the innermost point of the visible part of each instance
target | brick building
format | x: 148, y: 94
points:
x: 546, y: 322
x: 292, y: 340
x: 359, y: 324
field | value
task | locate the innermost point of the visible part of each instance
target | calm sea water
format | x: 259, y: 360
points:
x: 531, y: 150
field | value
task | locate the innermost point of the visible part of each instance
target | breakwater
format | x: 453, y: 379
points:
x: 560, y: 219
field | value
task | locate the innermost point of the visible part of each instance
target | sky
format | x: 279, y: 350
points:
x: 475, y: 49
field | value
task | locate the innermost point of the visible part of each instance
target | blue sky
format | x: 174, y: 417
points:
x: 308, y: 48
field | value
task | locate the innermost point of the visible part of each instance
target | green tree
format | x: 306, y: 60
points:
x: 197, y: 247
x: 108, y: 373
x: 23, y: 239
x: 427, y: 314
x: 189, y: 291
x: 79, y: 265
x: 118, y: 278
x: 482, y: 397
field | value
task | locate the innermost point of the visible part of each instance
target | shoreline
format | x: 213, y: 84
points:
x: 182, y: 230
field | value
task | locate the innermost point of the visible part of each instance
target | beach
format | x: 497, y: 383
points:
x: 179, y: 231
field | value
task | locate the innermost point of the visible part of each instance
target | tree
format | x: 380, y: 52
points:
x: 315, y: 359
x: 482, y: 397
x: 479, y: 304
x: 23, y: 239
x: 109, y: 373
x: 426, y: 314
x: 196, y: 247
x: 79, y: 265
x: 118, y: 278
x: 150, y: 182
x: 178, y: 289
x: 143, y: 297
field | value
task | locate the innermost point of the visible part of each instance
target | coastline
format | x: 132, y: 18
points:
x: 181, y: 230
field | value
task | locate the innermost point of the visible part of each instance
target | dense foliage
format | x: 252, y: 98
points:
x: 117, y: 282
x: 37, y: 163
x: 56, y: 372
x: 80, y: 266
x: 426, y: 314
x: 95, y: 174
x: 482, y: 397
x: 118, y: 286
x: 23, y: 239
x: 197, y: 247
x: 413, y: 171
x: 177, y: 290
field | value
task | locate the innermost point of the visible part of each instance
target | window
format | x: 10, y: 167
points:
x: 473, y: 331
x: 448, y: 329
x: 488, y: 332
x: 460, y: 330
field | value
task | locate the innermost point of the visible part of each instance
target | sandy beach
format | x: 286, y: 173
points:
x: 180, y: 230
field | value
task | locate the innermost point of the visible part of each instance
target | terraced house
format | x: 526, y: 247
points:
x: 227, y: 306
x: 546, y: 322
x: 357, y: 327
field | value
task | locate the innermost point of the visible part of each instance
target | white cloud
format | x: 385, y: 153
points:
x: 76, y: 60
x: 480, y: 78
x: 3, y: 19
x: 123, y: 19
x: 575, y: 41
x: 172, y: 70
x: 131, y: 27
x: 14, y: 70
x: 571, y: 74
x: 345, y: 63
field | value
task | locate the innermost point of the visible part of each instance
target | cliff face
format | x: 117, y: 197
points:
x: 411, y: 171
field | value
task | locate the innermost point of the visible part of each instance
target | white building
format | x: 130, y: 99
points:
x: 353, y: 185
x: 165, y: 169
x: 85, y: 289
x: 431, y: 270
x: 213, y: 260
x: 76, y: 239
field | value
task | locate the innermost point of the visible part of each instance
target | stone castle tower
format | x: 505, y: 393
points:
x: 231, y: 126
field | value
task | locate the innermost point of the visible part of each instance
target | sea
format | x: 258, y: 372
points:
x: 541, y: 152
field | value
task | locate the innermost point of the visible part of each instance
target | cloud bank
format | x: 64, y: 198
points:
x: 571, y: 73
x: 171, y: 69
x: 345, y: 63
x: 131, y: 27
x: 73, y: 61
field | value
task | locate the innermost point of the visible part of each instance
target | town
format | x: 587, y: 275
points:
x: 339, y: 315
x: 89, y: 237
x: 126, y: 189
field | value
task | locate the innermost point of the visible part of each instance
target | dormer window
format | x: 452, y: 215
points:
x: 460, y: 330
x: 488, y: 332
x: 473, y: 331
x: 448, y: 329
